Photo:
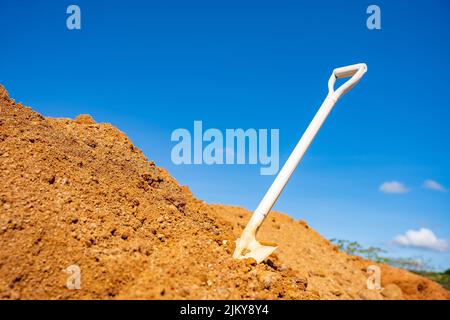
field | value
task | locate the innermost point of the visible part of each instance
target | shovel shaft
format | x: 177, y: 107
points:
x: 292, y: 162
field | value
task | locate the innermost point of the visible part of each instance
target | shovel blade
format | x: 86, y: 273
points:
x: 257, y: 251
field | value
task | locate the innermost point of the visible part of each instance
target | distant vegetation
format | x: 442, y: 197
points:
x: 417, y: 266
x: 355, y: 249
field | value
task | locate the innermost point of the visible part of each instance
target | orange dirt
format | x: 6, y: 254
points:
x: 75, y: 192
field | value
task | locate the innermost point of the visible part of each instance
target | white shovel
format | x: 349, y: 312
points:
x: 247, y: 246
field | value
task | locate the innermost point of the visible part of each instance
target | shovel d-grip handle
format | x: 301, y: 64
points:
x: 355, y: 72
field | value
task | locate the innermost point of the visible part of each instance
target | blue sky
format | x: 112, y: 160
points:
x: 150, y: 67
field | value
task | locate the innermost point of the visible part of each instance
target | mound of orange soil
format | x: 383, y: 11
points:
x: 75, y: 192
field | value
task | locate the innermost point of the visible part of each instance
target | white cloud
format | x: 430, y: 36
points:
x: 434, y: 185
x: 393, y: 187
x: 422, y: 238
